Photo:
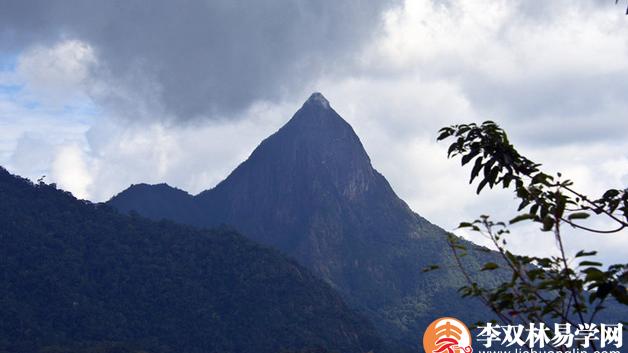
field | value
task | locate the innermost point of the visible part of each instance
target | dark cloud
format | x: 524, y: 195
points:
x: 198, y: 58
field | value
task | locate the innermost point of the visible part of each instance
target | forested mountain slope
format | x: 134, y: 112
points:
x: 79, y: 274
x: 310, y: 190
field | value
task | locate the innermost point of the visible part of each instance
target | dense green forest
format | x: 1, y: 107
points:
x: 311, y: 191
x: 80, y: 277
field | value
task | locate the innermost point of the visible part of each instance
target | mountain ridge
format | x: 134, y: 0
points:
x: 76, y: 273
x: 310, y: 191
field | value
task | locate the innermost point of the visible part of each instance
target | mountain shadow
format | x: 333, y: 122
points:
x: 310, y: 190
x: 81, y: 277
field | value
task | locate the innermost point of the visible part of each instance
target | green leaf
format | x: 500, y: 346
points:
x: 524, y: 203
x: 451, y: 149
x: 582, y: 253
x: 534, y: 209
x: 493, y: 175
x: 469, y: 156
x: 590, y: 263
x: 521, y: 217
x: 488, y: 166
x: 481, y: 186
x: 548, y: 224
x: 620, y: 294
x: 489, y: 266
x: 578, y: 215
x: 476, y: 169
x: 593, y: 274
x: 506, y: 179
x: 610, y: 194
x: 443, y: 135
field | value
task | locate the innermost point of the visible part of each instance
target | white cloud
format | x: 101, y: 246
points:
x: 499, y: 40
x: 32, y: 155
x: 56, y: 75
x: 29, y: 137
x: 554, y: 74
x: 70, y: 170
x: 193, y: 156
x: 553, y: 81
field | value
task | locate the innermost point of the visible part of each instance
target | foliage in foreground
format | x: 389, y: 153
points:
x: 540, y: 289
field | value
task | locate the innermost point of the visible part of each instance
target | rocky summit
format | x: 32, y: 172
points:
x: 310, y: 191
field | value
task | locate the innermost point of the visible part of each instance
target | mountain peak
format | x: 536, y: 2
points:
x: 317, y: 98
x: 310, y: 191
x: 316, y: 116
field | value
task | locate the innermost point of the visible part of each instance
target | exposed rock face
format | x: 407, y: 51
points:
x: 310, y: 191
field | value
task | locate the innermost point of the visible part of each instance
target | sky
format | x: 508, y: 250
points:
x: 99, y: 95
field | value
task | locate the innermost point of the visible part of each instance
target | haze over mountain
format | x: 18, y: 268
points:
x: 310, y: 190
x: 80, y: 277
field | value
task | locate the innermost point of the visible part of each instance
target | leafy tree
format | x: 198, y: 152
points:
x: 540, y: 289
